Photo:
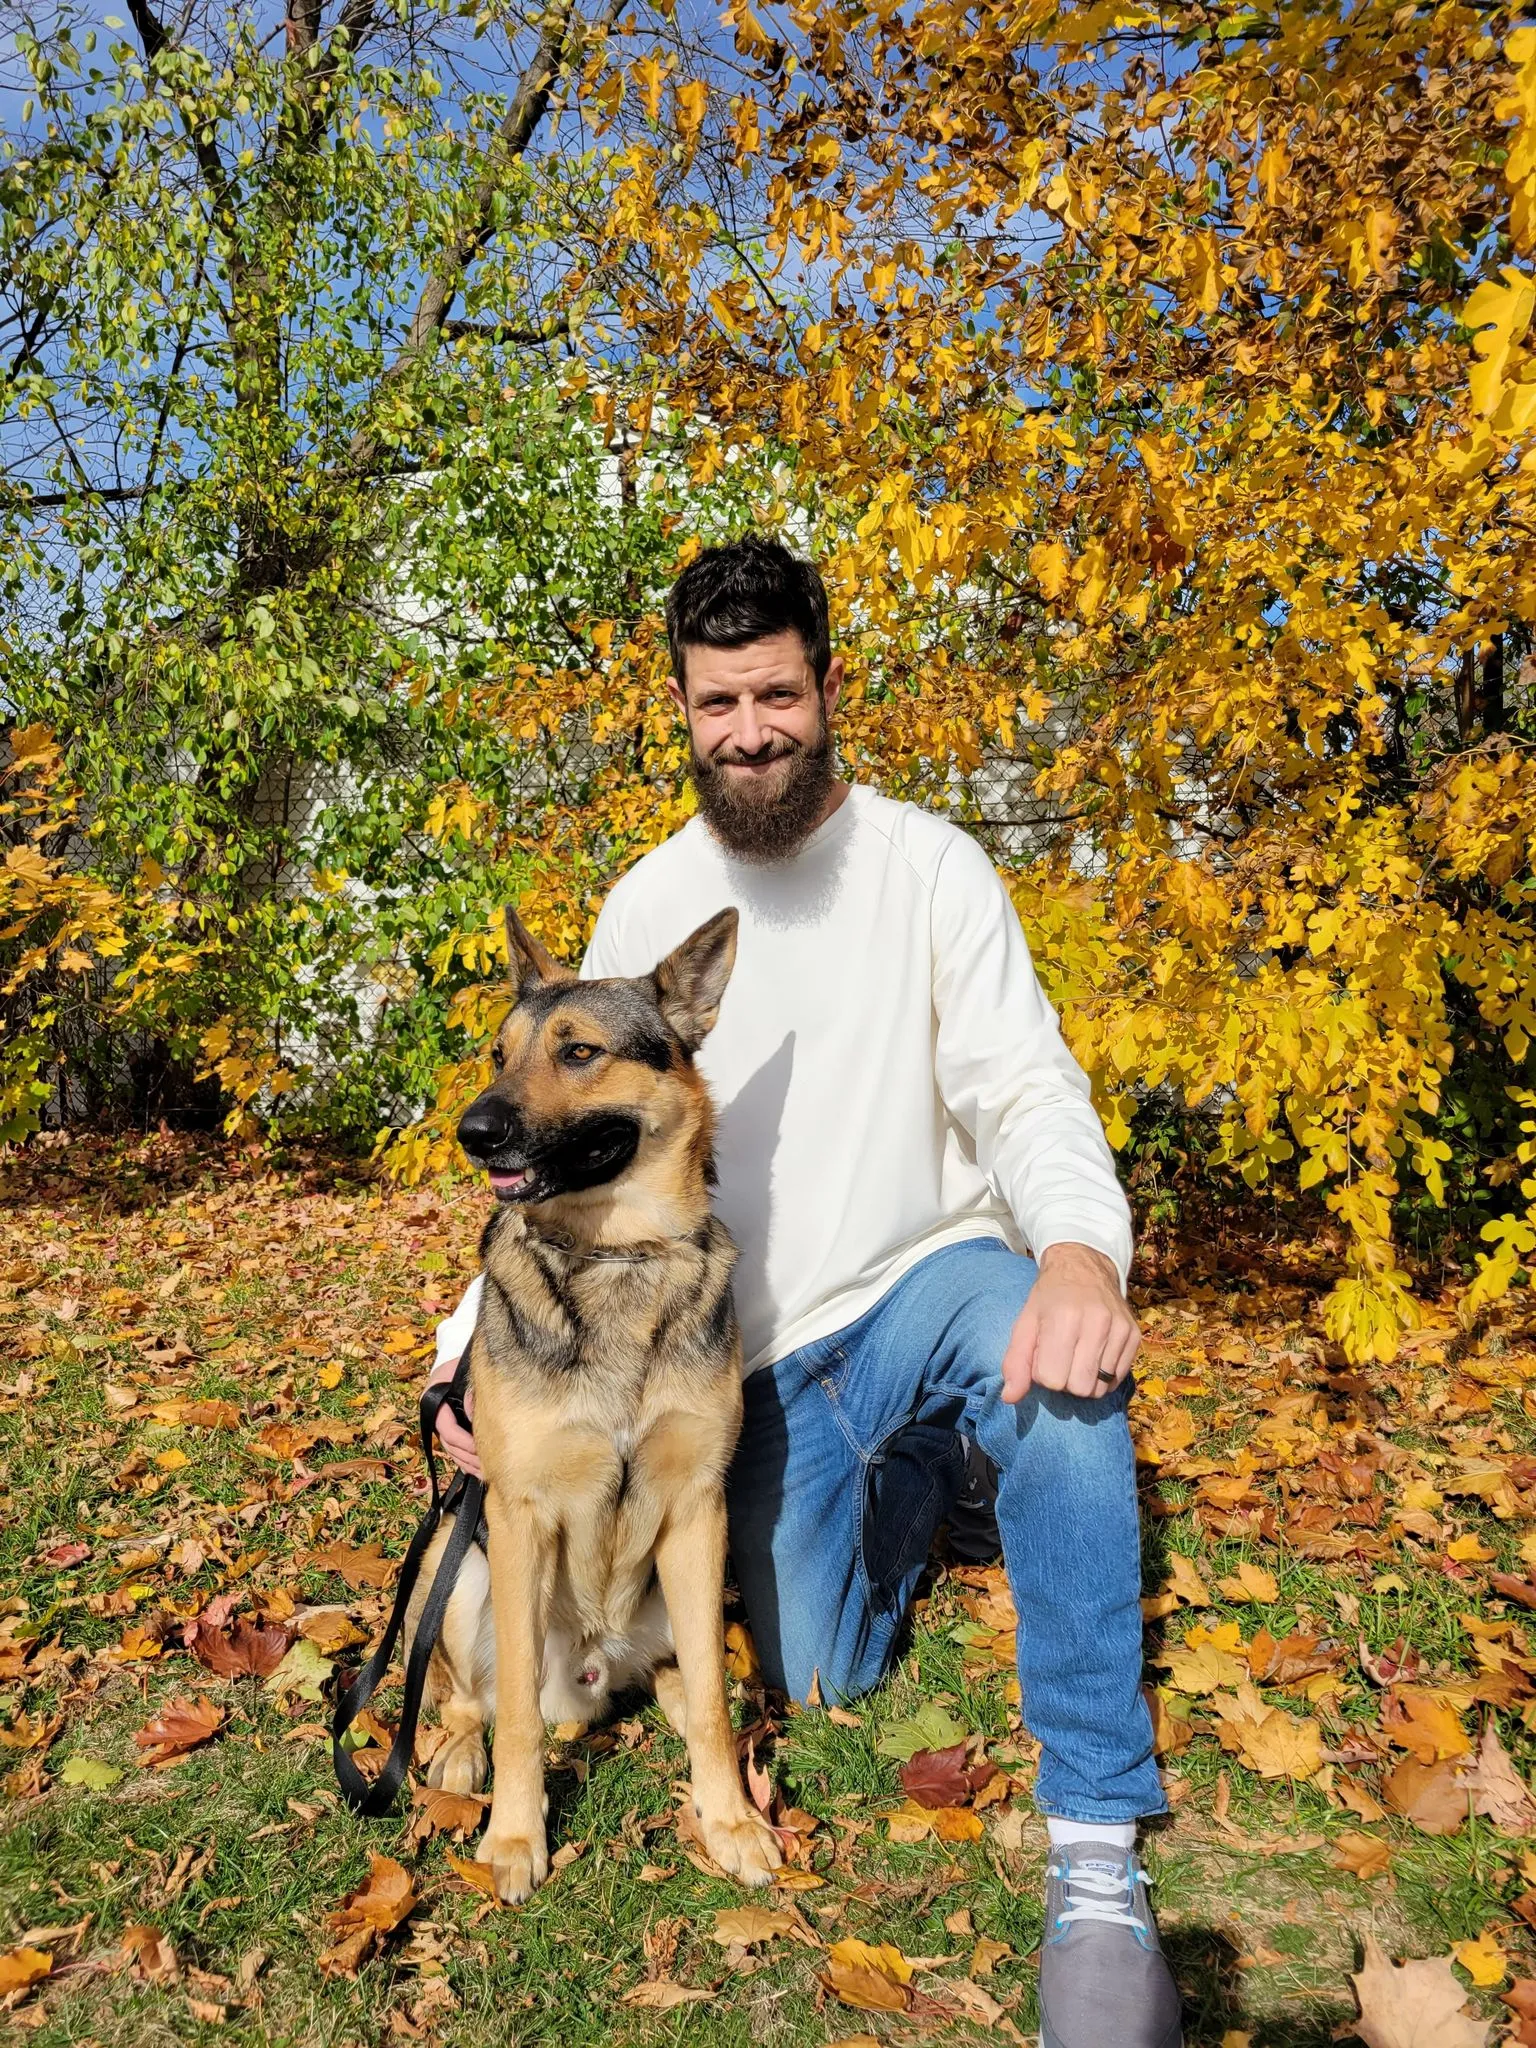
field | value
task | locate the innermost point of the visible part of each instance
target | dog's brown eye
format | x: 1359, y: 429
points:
x: 498, y: 1058
x: 579, y: 1055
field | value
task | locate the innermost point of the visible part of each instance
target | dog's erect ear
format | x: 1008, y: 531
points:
x: 691, y: 980
x: 527, y: 960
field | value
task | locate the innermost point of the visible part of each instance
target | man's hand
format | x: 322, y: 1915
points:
x: 1075, y: 1334
x: 455, y: 1439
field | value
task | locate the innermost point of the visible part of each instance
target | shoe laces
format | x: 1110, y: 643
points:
x: 1096, y: 1892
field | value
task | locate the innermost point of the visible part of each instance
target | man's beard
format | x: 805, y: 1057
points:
x: 771, y: 817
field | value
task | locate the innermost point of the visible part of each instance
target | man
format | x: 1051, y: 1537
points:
x: 898, y: 1117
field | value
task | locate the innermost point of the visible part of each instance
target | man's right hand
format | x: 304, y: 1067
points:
x: 452, y: 1435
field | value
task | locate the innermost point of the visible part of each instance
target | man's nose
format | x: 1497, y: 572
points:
x: 749, y: 727
x: 489, y: 1123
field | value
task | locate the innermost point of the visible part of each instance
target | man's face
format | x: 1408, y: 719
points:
x: 762, y: 760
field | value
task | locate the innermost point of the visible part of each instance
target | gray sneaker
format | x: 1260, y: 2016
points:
x: 1104, y: 1981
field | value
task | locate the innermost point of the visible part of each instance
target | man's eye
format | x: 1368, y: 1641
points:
x: 579, y: 1055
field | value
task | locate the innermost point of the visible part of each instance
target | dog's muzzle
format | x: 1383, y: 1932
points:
x: 531, y: 1165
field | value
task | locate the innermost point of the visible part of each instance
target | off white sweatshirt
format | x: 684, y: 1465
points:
x: 888, y: 1073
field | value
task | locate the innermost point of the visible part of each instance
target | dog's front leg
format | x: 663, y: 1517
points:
x: 515, y: 1844
x: 690, y: 1562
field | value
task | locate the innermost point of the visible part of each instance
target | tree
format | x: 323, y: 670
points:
x: 1163, y: 375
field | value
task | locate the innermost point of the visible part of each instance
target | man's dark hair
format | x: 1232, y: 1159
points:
x: 745, y: 590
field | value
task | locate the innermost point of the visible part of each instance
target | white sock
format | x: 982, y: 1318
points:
x: 1117, y: 1834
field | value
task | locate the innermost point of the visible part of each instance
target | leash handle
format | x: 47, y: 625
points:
x: 464, y: 1499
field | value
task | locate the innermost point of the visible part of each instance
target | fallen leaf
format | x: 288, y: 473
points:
x: 1519, y: 1590
x: 1424, y: 1725
x: 303, y: 1672
x: 1359, y: 1801
x: 1432, y: 1796
x: 1399, y: 1661
x: 1185, y: 1581
x: 1496, y: 1789
x: 22, y: 1967
x: 443, y: 1813
x: 1267, y: 1739
x: 1483, y: 1960
x: 661, y: 1995
x: 479, y: 1876
x: 748, y: 1925
x: 241, y: 1651
x: 178, y: 1729
x: 986, y: 1956
x: 868, y: 1977
x: 1363, y: 1856
x: 741, y: 1654
x: 1171, y: 1733
x: 365, y: 1916
x: 912, y: 1823
x: 1412, y: 2005
x: 941, y: 1777
x: 1207, y: 1669
x: 151, y: 1956
x: 367, y: 1566
x: 90, y: 1772
x: 929, y: 1728
x: 1250, y: 1582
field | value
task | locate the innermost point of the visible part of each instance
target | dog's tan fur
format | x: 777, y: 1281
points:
x: 607, y: 1400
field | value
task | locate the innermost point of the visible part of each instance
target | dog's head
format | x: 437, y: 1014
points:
x: 593, y: 1076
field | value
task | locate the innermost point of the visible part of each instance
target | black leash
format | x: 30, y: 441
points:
x: 464, y: 1500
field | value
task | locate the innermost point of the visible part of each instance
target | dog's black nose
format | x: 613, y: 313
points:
x: 487, y: 1125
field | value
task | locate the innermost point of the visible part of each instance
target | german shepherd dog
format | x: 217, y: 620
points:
x: 605, y: 1366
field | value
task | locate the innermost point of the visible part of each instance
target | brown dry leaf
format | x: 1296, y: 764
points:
x: 241, y: 1651
x: 443, y: 1813
x: 178, y: 1729
x: 1412, y: 2005
x: 869, y: 1978
x: 1269, y: 1741
x: 1432, y: 1796
x: 1355, y: 1796
x: 1171, y: 1733
x: 1423, y: 1724
x: 748, y: 1925
x: 661, y: 1995
x: 1497, y: 1790
x: 1185, y: 1581
x: 365, y: 1916
x: 1363, y: 1856
x: 197, y: 1414
x: 367, y: 1566
x: 22, y: 1967
x: 1399, y: 1663
x: 151, y: 1956
x: 986, y: 1956
x: 941, y: 1777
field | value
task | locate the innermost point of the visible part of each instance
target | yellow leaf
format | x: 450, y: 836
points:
x: 1483, y: 1960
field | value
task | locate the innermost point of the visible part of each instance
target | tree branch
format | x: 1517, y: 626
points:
x: 521, y: 122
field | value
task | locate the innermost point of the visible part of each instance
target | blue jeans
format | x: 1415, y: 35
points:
x: 849, y: 1458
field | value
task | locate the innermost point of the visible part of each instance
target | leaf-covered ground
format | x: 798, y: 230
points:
x: 208, y: 1470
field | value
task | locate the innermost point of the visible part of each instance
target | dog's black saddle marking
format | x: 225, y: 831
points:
x: 465, y: 1501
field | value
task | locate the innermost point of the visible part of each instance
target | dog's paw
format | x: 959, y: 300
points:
x: 743, y: 1845
x: 520, y: 1863
x: 459, y: 1766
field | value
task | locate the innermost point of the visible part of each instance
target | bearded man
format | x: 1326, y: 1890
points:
x: 934, y: 1250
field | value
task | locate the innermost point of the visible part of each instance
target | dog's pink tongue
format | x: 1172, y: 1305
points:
x: 509, y: 1180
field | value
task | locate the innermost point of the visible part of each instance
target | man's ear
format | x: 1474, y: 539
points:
x: 691, y: 980
x: 527, y: 961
